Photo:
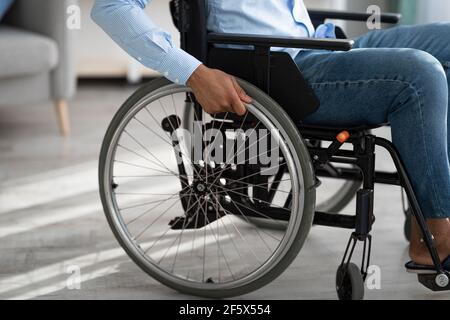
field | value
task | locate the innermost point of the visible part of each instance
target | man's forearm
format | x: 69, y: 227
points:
x: 130, y: 27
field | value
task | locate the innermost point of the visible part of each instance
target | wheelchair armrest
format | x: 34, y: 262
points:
x: 392, y: 18
x: 280, y: 42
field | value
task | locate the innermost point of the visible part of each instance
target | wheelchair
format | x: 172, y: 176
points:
x: 219, y: 205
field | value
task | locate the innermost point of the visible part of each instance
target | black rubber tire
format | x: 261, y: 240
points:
x: 308, y: 180
x: 349, y: 282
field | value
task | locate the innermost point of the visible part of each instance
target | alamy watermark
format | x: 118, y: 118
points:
x: 73, y: 21
x: 373, y: 280
x: 374, y: 21
x: 229, y: 147
x: 73, y: 282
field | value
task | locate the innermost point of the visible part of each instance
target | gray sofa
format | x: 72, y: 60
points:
x: 36, y: 56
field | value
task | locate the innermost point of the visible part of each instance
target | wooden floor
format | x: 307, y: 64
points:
x: 51, y: 219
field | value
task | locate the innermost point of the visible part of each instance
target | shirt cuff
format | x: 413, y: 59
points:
x: 178, y: 65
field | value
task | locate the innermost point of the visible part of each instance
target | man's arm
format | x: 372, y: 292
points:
x: 132, y: 29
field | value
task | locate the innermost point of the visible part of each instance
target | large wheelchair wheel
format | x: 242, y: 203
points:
x: 186, y: 221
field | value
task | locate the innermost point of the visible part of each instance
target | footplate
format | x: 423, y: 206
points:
x: 436, y: 282
x: 197, y: 217
x: 194, y: 222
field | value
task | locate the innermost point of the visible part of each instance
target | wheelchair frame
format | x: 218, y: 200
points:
x: 190, y: 18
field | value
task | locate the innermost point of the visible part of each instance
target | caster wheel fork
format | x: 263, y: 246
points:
x: 350, y: 280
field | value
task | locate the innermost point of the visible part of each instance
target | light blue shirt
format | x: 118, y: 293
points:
x: 130, y: 27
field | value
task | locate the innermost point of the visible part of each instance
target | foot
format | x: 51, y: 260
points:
x: 418, y: 251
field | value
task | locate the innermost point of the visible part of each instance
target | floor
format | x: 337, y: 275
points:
x: 53, y: 232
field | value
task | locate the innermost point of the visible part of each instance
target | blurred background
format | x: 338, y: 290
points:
x: 59, y: 89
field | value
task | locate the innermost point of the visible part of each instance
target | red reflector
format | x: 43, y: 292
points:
x: 343, y: 136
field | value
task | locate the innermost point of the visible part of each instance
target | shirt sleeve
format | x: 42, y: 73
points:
x: 126, y: 22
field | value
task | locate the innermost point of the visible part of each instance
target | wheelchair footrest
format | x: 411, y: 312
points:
x: 435, y: 282
x: 196, y: 221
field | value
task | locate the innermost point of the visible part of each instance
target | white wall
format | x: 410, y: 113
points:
x: 328, y: 4
x: 433, y: 10
x: 97, y: 55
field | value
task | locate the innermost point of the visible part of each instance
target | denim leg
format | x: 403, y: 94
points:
x: 404, y: 87
x: 433, y: 38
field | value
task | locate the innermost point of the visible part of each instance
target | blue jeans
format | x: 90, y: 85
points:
x: 398, y: 76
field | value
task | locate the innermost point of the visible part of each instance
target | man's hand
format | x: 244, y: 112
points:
x: 217, y: 91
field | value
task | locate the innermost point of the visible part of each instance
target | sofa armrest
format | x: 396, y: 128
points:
x: 48, y: 17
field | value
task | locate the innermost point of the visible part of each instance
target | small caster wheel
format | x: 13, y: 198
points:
x: 349, y: 282
x: 407, y: 225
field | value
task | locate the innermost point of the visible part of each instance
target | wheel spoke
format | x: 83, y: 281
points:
x: 149, y: 152
x: 257, y: 199
x: 139, y: 155
x: 248, y: 185
x: 151, y: 224
x: 172, y: 196
x: 223, y: 254
x: 181, y: 235
x: 143, y: 167
x: 169, y: 229
x: 237, y: 230
x: 257, y: 212
x: 151, y: 130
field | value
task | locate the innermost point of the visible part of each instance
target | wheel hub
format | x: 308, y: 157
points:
x: 200, y: 188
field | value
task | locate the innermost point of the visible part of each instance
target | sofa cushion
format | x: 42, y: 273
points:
x: 25, y: 53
